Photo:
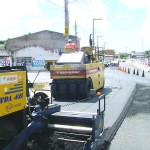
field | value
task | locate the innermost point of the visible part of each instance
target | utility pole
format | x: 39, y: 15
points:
x: 66, y: 21
x: 75, y: 27
x: 94, y: 29
x: 105, y: 46
x: 142, y: 44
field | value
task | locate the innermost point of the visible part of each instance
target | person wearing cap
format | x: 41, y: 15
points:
x: 71, y: 45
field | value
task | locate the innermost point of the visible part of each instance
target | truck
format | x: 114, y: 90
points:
x: 29, y: 123
x: 75, y: 74
x: 114, y: 63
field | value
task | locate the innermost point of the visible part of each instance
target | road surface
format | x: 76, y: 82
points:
x: 119, y: 90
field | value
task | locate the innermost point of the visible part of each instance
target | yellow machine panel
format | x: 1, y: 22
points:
x: 76, y: 73
x: 95, y: 71
x: 12, y: 92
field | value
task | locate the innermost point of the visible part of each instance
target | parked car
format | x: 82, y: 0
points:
x: 123, y: 60
x: 114, y: 63
x: 106, y: 63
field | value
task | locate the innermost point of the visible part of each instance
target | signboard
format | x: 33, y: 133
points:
x: 38, y: 63
x: 5, y: 62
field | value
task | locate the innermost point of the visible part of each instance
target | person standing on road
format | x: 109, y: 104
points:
x: 71, y: 45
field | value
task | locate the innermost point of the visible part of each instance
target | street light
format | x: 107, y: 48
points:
x: 94, y: 30
x: 104, y: 45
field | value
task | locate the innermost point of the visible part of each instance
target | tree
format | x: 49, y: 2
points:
x: 101, y: 52
x: 122, y: 55
x: 2, y: 42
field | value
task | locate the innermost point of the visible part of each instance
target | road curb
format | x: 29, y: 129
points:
x: 109, y: 133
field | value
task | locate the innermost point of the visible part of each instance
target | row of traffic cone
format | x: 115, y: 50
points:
x: 123, y: 69
x: 137, y: 73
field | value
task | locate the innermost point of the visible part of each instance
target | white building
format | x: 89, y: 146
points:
x: 34, y: 57
x: 34, y: 49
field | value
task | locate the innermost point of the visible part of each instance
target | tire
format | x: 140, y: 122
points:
x: 44, y: 99
x: 88, y: 87
x: 103, y: 84
x: 73, y: 90
x: 7, y: 132
x: 54, y: 91
x: 85, y: 88
x: 59, y: 89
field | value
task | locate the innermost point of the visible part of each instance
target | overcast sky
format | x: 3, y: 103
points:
x: 125, y: 24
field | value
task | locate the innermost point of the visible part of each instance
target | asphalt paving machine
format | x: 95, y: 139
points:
x: 29, y: 123
x: 76, y: 73
x: 13, y: 94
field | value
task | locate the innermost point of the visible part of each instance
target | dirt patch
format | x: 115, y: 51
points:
x: 134, y: 131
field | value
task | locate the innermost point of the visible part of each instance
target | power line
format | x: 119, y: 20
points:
x: 73, y: 1
x: 54, y: 4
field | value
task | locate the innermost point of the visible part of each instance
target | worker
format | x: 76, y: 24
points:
x: 71, y: 45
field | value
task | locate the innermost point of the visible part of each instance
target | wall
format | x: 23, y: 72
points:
x: 38, y: 56
x: 46, y: 39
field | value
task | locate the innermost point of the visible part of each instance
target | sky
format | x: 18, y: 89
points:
x: 123, y: 25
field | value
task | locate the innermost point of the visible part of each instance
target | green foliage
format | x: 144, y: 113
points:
x: 101, y: 52
x: 147, y: 52
x: 114, y: 52
x: 2, y: 44
x: 122, y: 55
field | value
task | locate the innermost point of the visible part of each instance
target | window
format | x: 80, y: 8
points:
x: 26, y: 60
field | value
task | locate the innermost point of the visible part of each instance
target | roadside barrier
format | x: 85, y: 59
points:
x: 137, y: 72
x: 143, y: 74
x: 128, y: 71
x: 134, y: 71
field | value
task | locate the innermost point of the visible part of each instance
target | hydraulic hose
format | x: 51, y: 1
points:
x: 37, y: 124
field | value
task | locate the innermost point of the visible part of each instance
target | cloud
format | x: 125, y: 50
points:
x: 136, y: 3
x: 83, y: 12
x: 122, y: 15
x: 41, y: 23
x: 29, y: 16
x: 12, y: 11
x: 38, y: 24
x: 141, y: 4
x: 87, y: 11
x: 145, y: 30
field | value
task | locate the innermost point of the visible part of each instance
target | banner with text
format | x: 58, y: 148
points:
x: 38, y: 63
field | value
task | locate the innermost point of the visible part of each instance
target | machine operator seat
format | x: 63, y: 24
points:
x: 88, y: 54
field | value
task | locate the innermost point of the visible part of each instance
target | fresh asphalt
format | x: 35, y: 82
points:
x: 119, y: 89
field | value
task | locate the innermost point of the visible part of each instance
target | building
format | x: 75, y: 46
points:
x: 109, y: 55
x: 34, y: 49
x: 137, y: 55
x: 5, y: 57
